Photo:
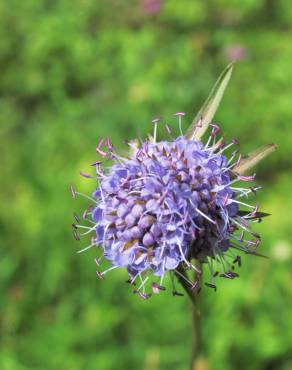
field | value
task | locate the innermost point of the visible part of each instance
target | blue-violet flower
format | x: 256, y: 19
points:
x: 169, y: 203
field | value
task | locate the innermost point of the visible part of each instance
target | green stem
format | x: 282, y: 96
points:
x: 190, y: 292
x: 197, y: 345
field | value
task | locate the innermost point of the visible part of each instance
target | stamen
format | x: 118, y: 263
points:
x: 155, y: 121
x: 229, y: 275
x: 232, y: 200
x: 203, y: 214
x: 98, y: 149
x: 241, y: 225
x: 180, y: 115
x: 86, y: 175
x: 144, y: 295
x: 175, y: 293
x: 75, y: 234
x: 97, y: 261
x: 99, y: 275
x: 108, y: 144
x: 96, y: 163
x: 72, y: 191
x: 254, y: 212
x: 237, y: 260
x: 109, y: 269
x: 192, y: 285
x: 143, y: 282
x: 86, y: 196
x: 168, y: 129
x: 86, y: 248
x: 225, y: 148
x: 215, y: 130
x: 77, y: 218
x: 246, y: 178
x: 213, y: 286
x: 235, y: 141
x: 156, y: 288
x: 181, y: 251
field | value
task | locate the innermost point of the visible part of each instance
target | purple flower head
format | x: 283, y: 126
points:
x: 169, y: 203
x: 163, y: 206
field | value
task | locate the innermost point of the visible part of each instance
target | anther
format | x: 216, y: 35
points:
x: 86, y: 175
x: 215, y: 129
x: 96, y: 163
x: 246, y: 178
x: 175, y: 293
x: 77, y: 218
x: 180, y: 115
x: 211, y: 286
x: 72, y: 191
x: 98, y: 149
x: 99, y: 275
x: 75, y: 234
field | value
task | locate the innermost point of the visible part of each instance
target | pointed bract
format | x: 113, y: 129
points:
x: 206, y: 113
x: 254, y: 158
x: 256, y: 215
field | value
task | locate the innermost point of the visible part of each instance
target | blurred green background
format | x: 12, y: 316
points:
x: 73, y: 71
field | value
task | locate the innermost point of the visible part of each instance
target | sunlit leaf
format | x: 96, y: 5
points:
x: 252, y: 253
x: 209, y: 108
x: 254, y: 158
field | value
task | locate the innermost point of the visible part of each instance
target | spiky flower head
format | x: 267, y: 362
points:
x: 170, y: 203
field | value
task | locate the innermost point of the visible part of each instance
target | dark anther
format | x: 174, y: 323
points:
x: 77, y: 218
x: 96, y: 163
x: 97, y: 261
x: 177, y: 293
x: 229, y: 275
x: 129, y: 281
x: 256, y: 235
x: 75, y: 234
x: 237, y: 260
x: 72, y: 191
x: 99, y: 275
x: 85, y: 214
x: 211, y: 286
x: 86, y: 175
x: 144, y: 295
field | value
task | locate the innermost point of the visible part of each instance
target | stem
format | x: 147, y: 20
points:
x: 190, y: 292
x: 197, y: 344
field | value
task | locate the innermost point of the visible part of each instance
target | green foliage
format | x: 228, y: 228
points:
x: 72, y: 71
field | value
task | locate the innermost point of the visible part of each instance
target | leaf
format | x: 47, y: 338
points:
x: 254, y: 158
x: 206, y: 113
x: 256, y: 254
x: 257, y: 214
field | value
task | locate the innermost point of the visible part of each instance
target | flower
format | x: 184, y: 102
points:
x: 236, y: 52
x: 169, y: 203
x: 151, y: 6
